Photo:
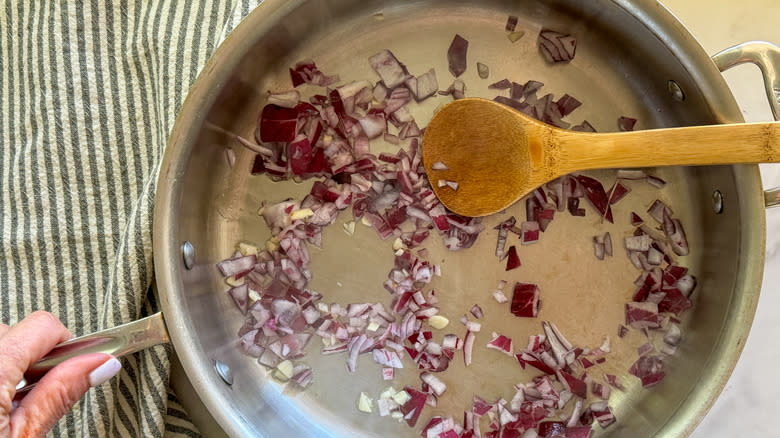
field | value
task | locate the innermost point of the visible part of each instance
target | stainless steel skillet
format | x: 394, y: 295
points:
x: 628, y: 54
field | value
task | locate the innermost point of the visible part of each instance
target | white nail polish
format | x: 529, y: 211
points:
x: 104, y: 372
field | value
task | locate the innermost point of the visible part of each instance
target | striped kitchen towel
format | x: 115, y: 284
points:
x: 89, y: 91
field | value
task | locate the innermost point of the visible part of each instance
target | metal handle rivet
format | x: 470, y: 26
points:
x: 223, y: 371
x: 188, y: 255
x: 675, y: 90
x: 717, y: 202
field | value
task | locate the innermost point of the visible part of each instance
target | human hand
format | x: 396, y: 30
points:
x: 56, y: 393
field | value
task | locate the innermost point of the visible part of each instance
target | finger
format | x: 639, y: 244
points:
x: 57, y: 392
x: 3, y: 329
x: 24, y: 344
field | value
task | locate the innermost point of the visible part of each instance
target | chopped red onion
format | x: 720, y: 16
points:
x: 657, y: 210
x: 237, y: 265
x: 598, y: 247
x: 626, y: 123
x: 387, y: 358
x: 649, y: 369
x: 613, y: 381
x: 638, y: 243
x: 413, y: 408
x: 476, y: 311
x: 595, y: 193
x: 287, y: 99
x: 499, y: 296
x: 456, y: 55
x: 529, y: 232
x: 599, y: 390
x: 501, y: 343
x: 673, y: 335
x: 525, y: 300
x: 457, y: 90
x: 617, y: 192
x: 686, y: 284
x: 602, y: 413
x: 645, y: 349
x: 501, y: 85
x: 631, y: 174
x: 482, y: 70
x: 511, y: 23
x: 567, y: 104
x: 556, y: 47
x: 307, y: 72
x: 278, y: 124
x: 585, y: 126
x: 426, y: 85
x: 512, y: 260
x: 468, y: 347
x: 642, y: 315
x: 676, y: 234
x: 436, y: 385
x: 230, y: 156
x: 656, y: 182
x: 388, y: 68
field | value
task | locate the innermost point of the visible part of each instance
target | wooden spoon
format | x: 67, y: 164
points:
x: 497, y: 155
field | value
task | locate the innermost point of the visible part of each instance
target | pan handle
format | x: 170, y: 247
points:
x: 116, y: 341
x: 767, y: 57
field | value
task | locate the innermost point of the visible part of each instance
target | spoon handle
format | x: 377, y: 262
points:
x: 699, y: 145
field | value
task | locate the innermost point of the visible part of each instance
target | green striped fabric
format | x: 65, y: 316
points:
x: 89, y: 91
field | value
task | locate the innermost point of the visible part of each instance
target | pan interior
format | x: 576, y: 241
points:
x: 620, y: 68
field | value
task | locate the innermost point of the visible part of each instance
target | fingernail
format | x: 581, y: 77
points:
x: 104, y: 372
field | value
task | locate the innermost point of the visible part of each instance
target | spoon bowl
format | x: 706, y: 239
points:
x: 482, y: 156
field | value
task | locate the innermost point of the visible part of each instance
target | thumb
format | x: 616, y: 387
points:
x: 56, y: 393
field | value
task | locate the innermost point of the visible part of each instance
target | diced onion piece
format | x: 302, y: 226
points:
x: 632, y: 174
x: 439, y: 166
x: 512, y: 259
x: 230, y: 156
x: 438, y: 322
x: 301, y: 214
x: 501, y: 343
x: 515, y: 36
x: 482, y: 70
x: 468, y: 348
x: 556, y: 47
x: 655, y: 181
x: 401, y: 397
x: 525, y: 300
x: 456, y: 55
x: 437, y: 386
x: 365, y: 403
x: 626, y: 123
x: 288, y: 99
x: 284, y: 371
x: 388, y: 68
x: 499, y: 296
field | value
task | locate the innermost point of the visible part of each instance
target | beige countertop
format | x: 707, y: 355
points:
x: 747, y: 406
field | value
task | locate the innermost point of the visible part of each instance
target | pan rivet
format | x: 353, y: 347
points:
x: 224, y: 372
x: 676, y: 91
x: 717, y: 202
x: 188, y: 254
